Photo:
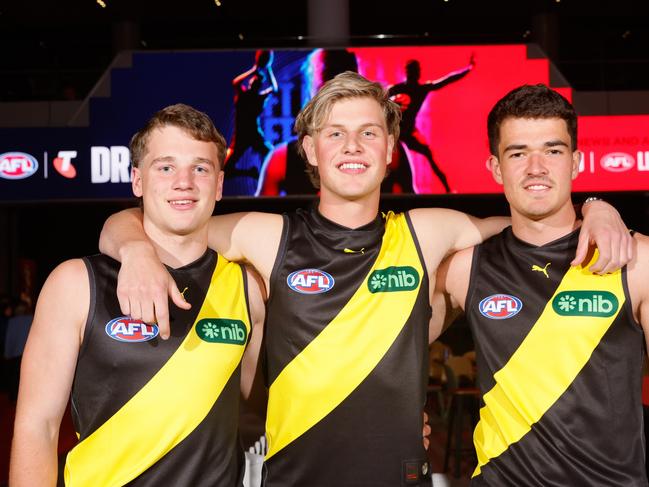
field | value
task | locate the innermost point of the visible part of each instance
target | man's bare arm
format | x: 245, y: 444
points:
x: 443, y: 231
x: 450, y: 290
x: 143, y: 284
x: 47, y: 372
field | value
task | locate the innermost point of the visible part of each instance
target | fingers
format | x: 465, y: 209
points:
x: 582, y: 248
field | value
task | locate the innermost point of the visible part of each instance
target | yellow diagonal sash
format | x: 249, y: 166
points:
x: 172, y: 404
x: 347, y: 350
x: 544, y: 365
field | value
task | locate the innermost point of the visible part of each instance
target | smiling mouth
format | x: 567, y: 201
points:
x: 352, y: 167
x: 181, y: 204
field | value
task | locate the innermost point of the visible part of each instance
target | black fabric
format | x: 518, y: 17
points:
x: 109, y: 373
x: 593, y: 434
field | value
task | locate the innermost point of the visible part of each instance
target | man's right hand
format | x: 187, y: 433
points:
x: 143, y: 285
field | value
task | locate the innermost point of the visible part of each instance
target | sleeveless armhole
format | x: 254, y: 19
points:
x: 279, y: 259
x: 417, y: 246
x: 472, y: 276
x: 244, y: 277
x: 87, y: 331
x: 87, y: 328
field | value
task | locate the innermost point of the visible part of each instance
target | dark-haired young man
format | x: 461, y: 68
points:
x: 559, y: 349
x: 148, y: 412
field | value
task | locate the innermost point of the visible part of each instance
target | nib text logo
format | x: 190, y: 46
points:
x: 392, y: 279
x: 63, y: 163
x: 585, y: 303
x: 219, y: 330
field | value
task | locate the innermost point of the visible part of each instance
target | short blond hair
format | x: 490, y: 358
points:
x: 344, y: 86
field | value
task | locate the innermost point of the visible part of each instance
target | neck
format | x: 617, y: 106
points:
x: 349, y: 213
x: 545, y: 229
x: 177, y: 250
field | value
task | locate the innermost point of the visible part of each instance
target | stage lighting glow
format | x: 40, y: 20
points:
x: 101, y: 3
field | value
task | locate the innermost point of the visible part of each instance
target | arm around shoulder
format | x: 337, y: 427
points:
x: 444, y: 231
x: 47, y: 372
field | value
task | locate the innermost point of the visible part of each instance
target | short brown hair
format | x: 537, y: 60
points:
x: 530, y: 101
x: 194, y: 122
x: 344, y: 86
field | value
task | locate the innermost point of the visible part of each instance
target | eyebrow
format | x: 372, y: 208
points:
x: 550, y: 143
x: 172, y: 159
x: 362, y: 126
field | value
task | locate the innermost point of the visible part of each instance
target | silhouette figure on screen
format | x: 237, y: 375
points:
x: 248, y: 149
x: 410, y: 95
x: 284, y: 171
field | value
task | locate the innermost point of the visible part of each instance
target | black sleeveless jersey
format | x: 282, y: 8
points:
x: 346, y: 355
x: 559, y: 359
x: 153, y: 412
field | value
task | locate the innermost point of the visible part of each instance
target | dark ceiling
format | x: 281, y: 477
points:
x: 58, y: 49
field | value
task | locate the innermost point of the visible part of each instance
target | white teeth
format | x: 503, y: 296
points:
x: 352, y: 165
x: 537, y: 186
x: 181, y: 202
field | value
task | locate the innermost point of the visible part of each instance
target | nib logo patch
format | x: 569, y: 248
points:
x: 392, y: 279
x: 222, y: 330
x: 585, y: 303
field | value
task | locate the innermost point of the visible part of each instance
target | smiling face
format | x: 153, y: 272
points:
x: 536, y: 166
x: 351, y: 149
x: 179, y: 179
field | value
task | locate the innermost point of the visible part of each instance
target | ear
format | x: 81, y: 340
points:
x: 136, y: 181
x: 219, y: 185
x: 576, y: 159
x: 390, y: 148
x: 308, y: 144
x: 494, y: 164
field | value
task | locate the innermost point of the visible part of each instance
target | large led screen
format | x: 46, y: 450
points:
x: 253, y: 96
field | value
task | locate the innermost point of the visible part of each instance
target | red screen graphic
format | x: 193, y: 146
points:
x: 452, y: 119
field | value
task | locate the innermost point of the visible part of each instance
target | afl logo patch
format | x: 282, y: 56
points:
x: 500, y: 306
x: 125, y: 329
x: 310, y: 281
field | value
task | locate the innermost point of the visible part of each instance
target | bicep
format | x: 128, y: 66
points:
x: 52, y: 348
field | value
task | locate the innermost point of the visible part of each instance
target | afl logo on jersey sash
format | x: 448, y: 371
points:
x: 500, y: 306
x: 125, y: 329
x: 310, y: 281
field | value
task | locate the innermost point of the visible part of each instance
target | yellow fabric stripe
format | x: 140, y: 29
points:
x: 543, y: 367
x: 347, y: 350
x: 172, y: 404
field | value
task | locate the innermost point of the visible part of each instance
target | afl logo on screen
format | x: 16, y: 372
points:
x: 17, y: 165
x: 617, y: 162
x: 125, y: 329
x: 500, y: 306
x: 310, y: 281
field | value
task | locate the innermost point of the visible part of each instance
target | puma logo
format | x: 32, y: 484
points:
x: 541, y: 269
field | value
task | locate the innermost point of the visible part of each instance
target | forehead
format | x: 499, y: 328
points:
x: 354, y: 112
x: 172, y: 141
x: 524, y: 131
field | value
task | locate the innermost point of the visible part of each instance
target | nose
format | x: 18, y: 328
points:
x: 184, y: 179
x: 536, y: 164
x: 352, y: 144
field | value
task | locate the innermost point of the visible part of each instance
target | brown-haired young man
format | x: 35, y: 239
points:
x: 346, y: 337
x: 130, y: 389
x: 559, y: 349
